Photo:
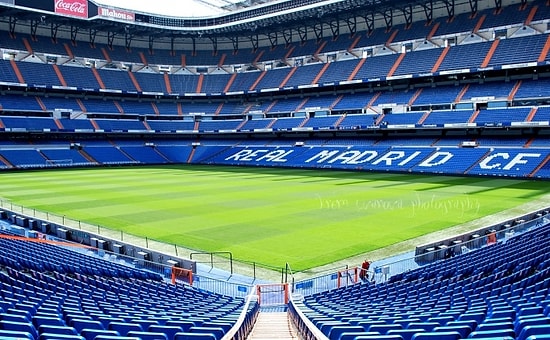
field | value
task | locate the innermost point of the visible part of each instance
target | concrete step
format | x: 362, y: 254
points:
x: 272, y: 325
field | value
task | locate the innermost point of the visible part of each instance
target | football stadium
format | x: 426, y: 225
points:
x: 275, y: 169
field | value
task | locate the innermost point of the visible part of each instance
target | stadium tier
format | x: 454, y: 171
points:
x: 398, y: 87
x: 499, y: 291
x: 480, y: 52
x: 489, y: 158
x: 51, y: 291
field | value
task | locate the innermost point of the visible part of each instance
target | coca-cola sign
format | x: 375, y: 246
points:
x: 75, y: 8
x: 116, y: 14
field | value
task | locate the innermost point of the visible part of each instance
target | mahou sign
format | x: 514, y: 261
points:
x: 75, y: 8
x: 116, y: 14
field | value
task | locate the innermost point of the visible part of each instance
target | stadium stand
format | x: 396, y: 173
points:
x: 49, y: 291
x: 458, y: 94
x: 503, y: 294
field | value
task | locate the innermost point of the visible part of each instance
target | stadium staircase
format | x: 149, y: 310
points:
x: 273, y: 325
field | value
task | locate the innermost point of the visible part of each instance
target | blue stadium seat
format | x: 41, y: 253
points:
x: 170, y: 331
x: 25, y: 327
x: 218, y: 332
x: 184, y: 325
x: 406, y: 334
x: 91, y: 334
x: 354, y: 335
x: 336, y: 331
x: 38, y: 321
x: 115, y: 337
x: 426, y: 326
x: 378, y: 337
x: 124, y: 327
x: 492, y: 334
x: 463, y: 330
x: 437, y: 336
x: 521, y: 323
x: 148, y: 335
x: 194, y: 336
x: 80, y: 324
x: 528, y: 331
x: 54, y: 329
x: 54, y: 336
x: 384, y: 329
x: 6, y: 334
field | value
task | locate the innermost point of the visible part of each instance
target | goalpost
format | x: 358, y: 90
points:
x: 59, y: 162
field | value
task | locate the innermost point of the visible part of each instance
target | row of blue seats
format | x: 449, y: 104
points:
x: 488, y: 18
x: 521, y: 50
x: 349, y: 102
x: 491, y: 117
x: 506, y: 162
x: 487, y: 159
x: 42, y: 300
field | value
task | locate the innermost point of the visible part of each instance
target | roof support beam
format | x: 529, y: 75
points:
x: 110, y: 39
x: 318, y: 30
x: 388, y: 18
x: 74, y: 33
x: 13, y: 21
x: 335, y: 28
x: 235, y: 42
x: 151, y: 43
x: 287, y: 36
x: 302, y: 32
x: 273, y: 38
x: 53, y: 30
x: 254, y: 41
x: 172, y: 45
x: 214, y: 41
x: 450, y: 5
x: 369, y: 21
x: 473, y: 6
x: 128, y: 40
x: 408, y: 15
x: 352, y: 25
x: 93, y: 34
x: 429, y: 10
x: 34, y: 27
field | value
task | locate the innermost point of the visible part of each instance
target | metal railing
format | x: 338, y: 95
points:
x: 324, y: 282
x: 380, y: 274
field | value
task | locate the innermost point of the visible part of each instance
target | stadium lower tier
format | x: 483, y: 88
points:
x: 51, y: 291
x: 497, y: 292
x: 486, y: 160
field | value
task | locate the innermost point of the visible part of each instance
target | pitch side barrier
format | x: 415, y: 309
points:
x: 507, y: 162
x: 33, y: 224
x: 384, y: 270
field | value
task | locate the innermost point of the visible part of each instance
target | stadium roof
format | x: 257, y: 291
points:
x: 186, y: 8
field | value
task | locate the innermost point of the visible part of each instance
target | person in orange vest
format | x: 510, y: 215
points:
x: 491, y: 237
x: 363, y: 274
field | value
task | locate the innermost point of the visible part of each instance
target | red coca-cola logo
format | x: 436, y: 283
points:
x: 77, y: 8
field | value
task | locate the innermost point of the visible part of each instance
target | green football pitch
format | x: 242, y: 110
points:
x: 269, y: 216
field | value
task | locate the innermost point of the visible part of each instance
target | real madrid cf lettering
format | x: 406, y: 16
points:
x: 432, y: 160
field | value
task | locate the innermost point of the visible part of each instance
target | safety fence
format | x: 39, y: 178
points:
x: 332, y: 279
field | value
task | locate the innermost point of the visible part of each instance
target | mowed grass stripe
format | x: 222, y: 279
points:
x: 269, y: 216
